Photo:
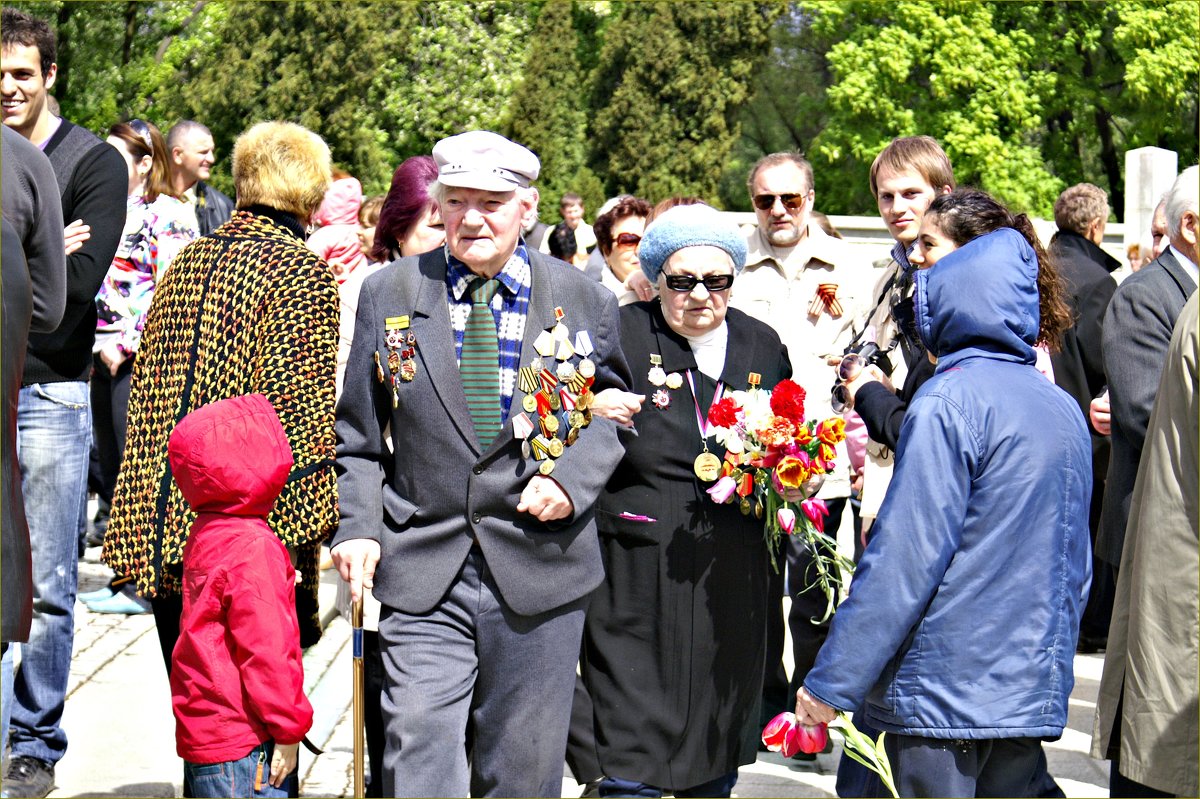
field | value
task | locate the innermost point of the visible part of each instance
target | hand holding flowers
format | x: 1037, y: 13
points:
x: 775, y: 461
x: 787, y: 735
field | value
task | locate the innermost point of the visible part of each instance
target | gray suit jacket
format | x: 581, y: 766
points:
x: 426, y: 501
x: 1137, y: 333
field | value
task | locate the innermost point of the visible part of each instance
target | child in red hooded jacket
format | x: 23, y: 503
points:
x: 237, y: 679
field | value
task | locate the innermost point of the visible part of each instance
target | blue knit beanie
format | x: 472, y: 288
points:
x: 689, y: 226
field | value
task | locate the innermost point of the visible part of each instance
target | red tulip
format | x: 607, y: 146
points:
x: 812, y: 739
x: 780, y: 734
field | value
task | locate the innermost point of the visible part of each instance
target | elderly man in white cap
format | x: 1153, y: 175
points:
x: 475, y: 527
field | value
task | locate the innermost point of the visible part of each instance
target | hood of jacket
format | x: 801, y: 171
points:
x: 231, y: 457
x: 341, y: 203
x: 980, y: 300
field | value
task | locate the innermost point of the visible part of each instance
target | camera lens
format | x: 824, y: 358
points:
x: 839, y: 398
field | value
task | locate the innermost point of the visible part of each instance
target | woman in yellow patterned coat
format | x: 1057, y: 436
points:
x: 247, y: 309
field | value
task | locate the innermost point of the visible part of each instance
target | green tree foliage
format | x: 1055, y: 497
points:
x: 457, y: 71
x: 312, y: 63
x: 660, y: 98
x: 667, y: 91
x: 1119, y: 76
x: 1027, y: 98
x: 944, y: 69
x: 547, y: 112
x: 787, y: 109
x: 116, y: 58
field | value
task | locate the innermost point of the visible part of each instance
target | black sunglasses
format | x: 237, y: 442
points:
x: 713, y: 283
x: 792, y: 202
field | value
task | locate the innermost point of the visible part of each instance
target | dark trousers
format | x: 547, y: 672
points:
x: 988, y: 767
x: 581, y: 737
x: 372, y: 712
x: 779, y: 694
x: 110, y: 409
x: 720, y: 787
x: 471, y: 657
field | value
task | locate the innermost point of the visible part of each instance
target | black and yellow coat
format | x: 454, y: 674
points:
x: 248, y: 309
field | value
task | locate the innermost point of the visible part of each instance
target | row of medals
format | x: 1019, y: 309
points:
x: 707, y: 465
x: 547, y: 438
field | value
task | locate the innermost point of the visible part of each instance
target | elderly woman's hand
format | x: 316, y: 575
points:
x: 1100, y: 413
x: 617, y: 405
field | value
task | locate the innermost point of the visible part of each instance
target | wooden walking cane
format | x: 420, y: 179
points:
x: 356, y: 622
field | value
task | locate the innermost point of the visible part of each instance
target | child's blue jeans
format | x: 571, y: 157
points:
x: 236, y: 778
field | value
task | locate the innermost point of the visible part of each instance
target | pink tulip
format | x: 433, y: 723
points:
x: 816, y: 512
x: 812, y: 739
x: 780, y: 735
x: 723, y: 490
x: 787, y: 520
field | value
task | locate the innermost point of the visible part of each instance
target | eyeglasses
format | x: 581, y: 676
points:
x: 627, y: 240
x: 143, y: 131
x: 684, y: 283
x: 792, y: 202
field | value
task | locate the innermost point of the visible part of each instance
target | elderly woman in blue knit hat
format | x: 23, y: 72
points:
x: 674, y: 639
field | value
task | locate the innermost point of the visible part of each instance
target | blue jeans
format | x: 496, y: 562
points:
x: 54, y: 437
x: 237, y: 777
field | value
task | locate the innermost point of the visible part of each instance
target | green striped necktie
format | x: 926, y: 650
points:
x: 480, y: 362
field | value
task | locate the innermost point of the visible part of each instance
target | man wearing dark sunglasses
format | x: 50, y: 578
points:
x: 810, y: 288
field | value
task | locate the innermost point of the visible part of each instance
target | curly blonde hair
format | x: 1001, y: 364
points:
x: 282, y: 165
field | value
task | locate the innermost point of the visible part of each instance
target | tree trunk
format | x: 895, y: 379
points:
x: 61, y: 82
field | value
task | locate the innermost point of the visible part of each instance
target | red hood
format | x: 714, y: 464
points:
x: 231, y: 456
x: 341, y: 203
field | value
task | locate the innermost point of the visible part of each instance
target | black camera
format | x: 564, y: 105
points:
x: 869, y: 354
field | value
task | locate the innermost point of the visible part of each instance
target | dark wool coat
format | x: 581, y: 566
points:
x: 675, y: 637
x: 246, y: 310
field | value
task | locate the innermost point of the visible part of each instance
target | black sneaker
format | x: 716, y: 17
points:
x: 28, y: 777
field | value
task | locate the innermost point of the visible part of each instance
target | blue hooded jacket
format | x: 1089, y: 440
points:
x: 963, y: 615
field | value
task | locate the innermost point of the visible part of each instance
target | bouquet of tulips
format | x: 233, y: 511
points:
x: 784, y: 734
x: 775, y: 460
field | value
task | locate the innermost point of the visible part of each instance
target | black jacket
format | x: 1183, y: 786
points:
x: 213, y: 208
x: 1079, y: 365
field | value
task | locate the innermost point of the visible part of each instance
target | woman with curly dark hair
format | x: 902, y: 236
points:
x: 955, y: 219
x: 967, y: 214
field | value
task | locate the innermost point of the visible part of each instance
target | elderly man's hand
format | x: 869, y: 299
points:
x: 545, y: 500
x: 810, y: 710
x: 356, y: 560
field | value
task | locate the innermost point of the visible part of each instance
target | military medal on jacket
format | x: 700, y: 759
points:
x: 558, y: 394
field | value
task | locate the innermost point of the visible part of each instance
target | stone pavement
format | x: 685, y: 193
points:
x: 121, y: 731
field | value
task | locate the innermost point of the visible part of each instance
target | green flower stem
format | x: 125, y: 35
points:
x: 863, y: 750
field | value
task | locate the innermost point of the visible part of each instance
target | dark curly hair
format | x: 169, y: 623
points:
x: 627, y: 206
x: 965, y: 214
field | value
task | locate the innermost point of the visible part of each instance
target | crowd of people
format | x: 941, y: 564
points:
x: 503, y: 433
